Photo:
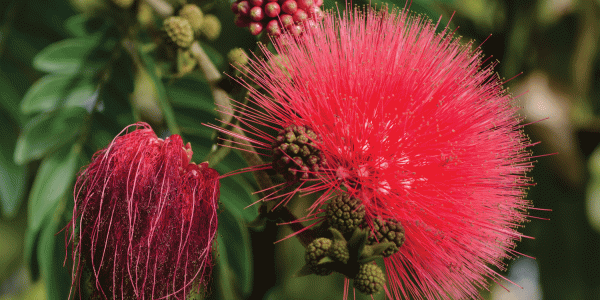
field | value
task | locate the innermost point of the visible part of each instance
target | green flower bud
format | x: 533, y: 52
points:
x: 388, y: 230
x: 345, y: 213
x: 370, y: 279
x: 295, y: 154
x: 237, y: 56
x: 194, y: 15
x: 179, y: 31
x: 339, y: 252
x: 211, y: 27
x: 315, y: 252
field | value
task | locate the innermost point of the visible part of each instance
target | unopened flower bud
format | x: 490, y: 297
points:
x: 289, y: 6
x: 272, y: 10
x: 345, y: 213
x: 194, y: 15
x: 295, y: 154
x: 305, y: 4
x: 241, y: 21
x: 294, y: 29
x: 388, y: 230
x: 315, y: 13
x: 243, y: 8
x: 370, y: 279
x: 300, y: 16
x: 237, y: 56
x: 315, y: 251
x: 339, y: 251
x: 256, y: 13
x: 211, y: 27
x: 273, y: 28
x: 257, y: 3
x: 255, y: 28
x: 179, y: 31
x: 286, y: 20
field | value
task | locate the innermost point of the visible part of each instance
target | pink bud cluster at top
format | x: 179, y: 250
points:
x: 275, y: 16
x: 415, y: 125
x: 144, y: 219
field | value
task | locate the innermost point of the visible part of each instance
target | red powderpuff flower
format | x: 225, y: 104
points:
x: 415, y: 125
x: 144, y: 218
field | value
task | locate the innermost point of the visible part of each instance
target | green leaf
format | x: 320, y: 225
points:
x: 189, y: 92
x: 67, y: 56
x: 52, y: 182
x: 234, y: 244
x: 48, y: 93
x: 216, y: 57
x: 51, y: 254
x: 47, y: 132
x: 83, y: 25
x: 165, y: 106
x: 13, y: 178
x: 32, y: 239
x: 9, y: 99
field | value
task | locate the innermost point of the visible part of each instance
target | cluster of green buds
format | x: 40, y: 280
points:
x: 295, y: 154
x: 191, y: 23
x: 350, y: 246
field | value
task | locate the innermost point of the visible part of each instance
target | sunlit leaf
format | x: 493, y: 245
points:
x: 67, y: 57
x: 52, y: 182
x: 53, y: 91
x: 47, y: 132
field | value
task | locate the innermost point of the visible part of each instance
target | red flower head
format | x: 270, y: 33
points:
x: 413, y: 124
x: 144, y: 218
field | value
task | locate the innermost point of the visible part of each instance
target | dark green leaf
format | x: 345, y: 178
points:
x: 51, y: 254
x: 47, y: 132
x: 235, y: 244
x: 83, y: 25
x: 193, y: 93
x: 52, y: 182
x: 13, y: 178
x: 66, y: 56
x: 216, y: 57
x: 165, y: 106
x: 53, y: 91
x: 9, y: 99
x: 32, y: 239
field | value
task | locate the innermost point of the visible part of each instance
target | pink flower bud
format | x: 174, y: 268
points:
x: 241, y: 21
x: 294, y: 29
x: 255, y: 28
x: 305, y: 4
x: 300, y: 16
x: 256, y: 13
x: 243, y: 8
x: 315, y: 13
x: 286, y: 20
x: 234, y: 7
x: 273, y: 28
x: 272, y: 9
x: 289, y: 6
x: 256, y: 2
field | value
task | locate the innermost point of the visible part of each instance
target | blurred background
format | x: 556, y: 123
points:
x: 73, y: 73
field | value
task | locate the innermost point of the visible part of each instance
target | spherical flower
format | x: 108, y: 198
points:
x: 144, y: 218
x: 415, y: 125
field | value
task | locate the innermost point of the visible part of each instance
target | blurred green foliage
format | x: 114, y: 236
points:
x: 74, y: 73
